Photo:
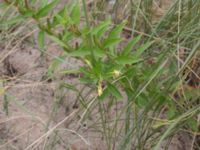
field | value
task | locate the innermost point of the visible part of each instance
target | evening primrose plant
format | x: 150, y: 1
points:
x: 97, y: 48
x: 115, y: 72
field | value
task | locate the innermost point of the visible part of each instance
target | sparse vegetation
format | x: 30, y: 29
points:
x: 136, y: 81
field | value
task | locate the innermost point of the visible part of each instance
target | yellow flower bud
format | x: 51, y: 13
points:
x: 88, y: 63
x: 116, y: 73
x: 100, y: 89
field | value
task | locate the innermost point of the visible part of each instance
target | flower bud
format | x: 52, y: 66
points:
x: 116, y: 73
x: 100, y: 89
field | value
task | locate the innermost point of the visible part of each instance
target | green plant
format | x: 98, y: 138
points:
x: 103, y: 63
x: 120, y: 73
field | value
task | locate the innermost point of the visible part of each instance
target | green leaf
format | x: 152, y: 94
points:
x: 85, y: 31
x: 142, y: 101
x: 63, y: 12
x: 76, y: 13
x: 41, y: 40
x: 28, y: 13
x: 60, y: 20
x: 58, y: 41
x: 111, y: 42
x: 46, y: 9
x: 193, y: 124
x: 115, y: 32
x: 80, y: 52
x: 44, y: 3
x: 62, y: 17
x: 67, y: 36
x: 113, y: 89
x: 100, y: 27
x: 141, y: 49
x: 123, y: 60
x: 129, y: 93
x: 99, y: 53
x: 130, y: 45
x: 171, y: 112
x: 97, y: 69
x: 101, y: 32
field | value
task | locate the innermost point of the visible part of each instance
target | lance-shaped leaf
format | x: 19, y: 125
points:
x: 114, y: 91
x: 76, y: 13
x: 123, y: 60
x: 130, y: 45
x: 46, y: 9
x: 141, y: 49
x: 41, y: 40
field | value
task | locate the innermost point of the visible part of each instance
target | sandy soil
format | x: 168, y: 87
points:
x: 31, y: 100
